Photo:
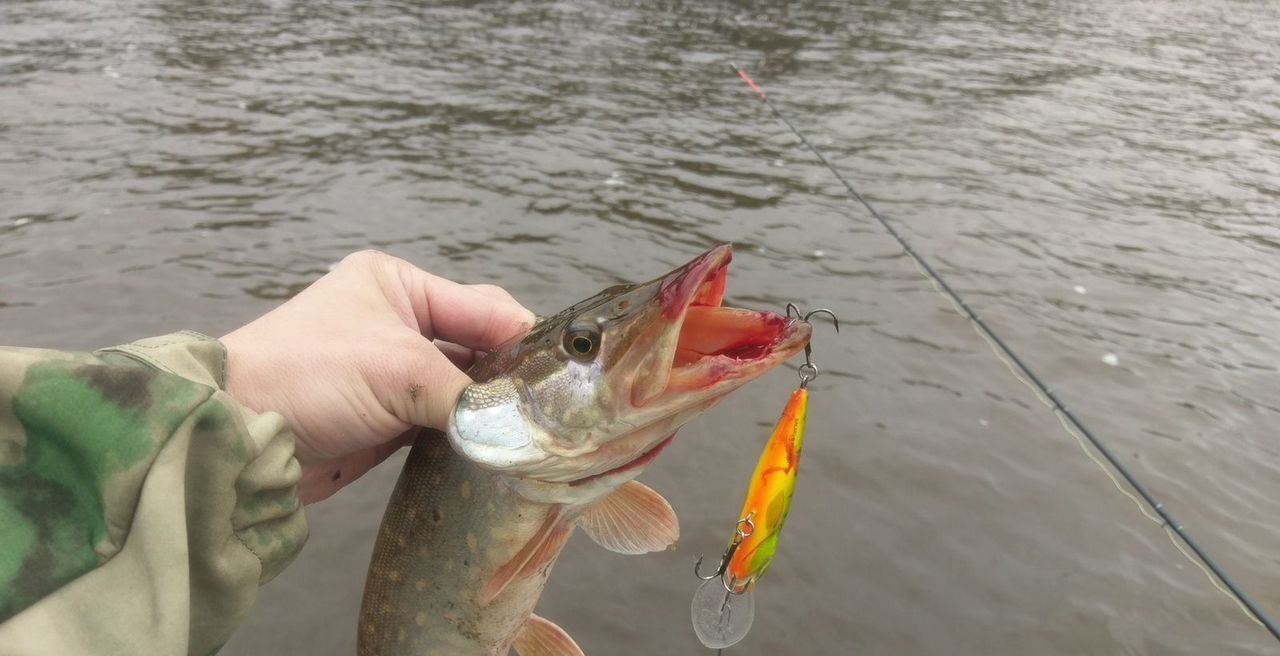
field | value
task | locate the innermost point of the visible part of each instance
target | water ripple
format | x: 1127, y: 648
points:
x: 181, y: 164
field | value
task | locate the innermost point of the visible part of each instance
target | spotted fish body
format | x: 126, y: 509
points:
x: 449, y: 527
x: 548, y: 438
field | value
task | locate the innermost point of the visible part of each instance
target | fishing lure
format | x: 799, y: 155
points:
x: 723, y: 605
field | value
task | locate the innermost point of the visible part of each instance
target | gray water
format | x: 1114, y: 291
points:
x: 1094, y: 177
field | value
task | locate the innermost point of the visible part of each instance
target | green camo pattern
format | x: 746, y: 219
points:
x: 83, y: 425
x: 79, y: 435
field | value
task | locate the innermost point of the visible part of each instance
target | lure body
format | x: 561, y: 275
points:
x: 724, y: 606
x: 769, y: 496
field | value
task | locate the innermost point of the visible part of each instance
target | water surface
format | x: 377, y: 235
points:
x: 1094, y: 177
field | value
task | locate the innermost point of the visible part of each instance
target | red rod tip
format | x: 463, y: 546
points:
x: 752, y: 83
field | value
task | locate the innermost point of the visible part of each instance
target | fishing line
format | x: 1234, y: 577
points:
x: 1024, y: 374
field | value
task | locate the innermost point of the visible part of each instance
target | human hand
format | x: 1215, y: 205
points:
x: 351, y: 361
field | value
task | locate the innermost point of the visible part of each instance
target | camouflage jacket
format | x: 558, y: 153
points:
x: 140, y: 506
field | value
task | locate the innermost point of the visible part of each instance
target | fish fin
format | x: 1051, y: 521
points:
x: 542, y: 637
x: 547, y: 551
x: 632, y: 520
x: 541, y: 549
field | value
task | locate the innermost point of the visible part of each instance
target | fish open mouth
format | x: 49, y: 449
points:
x: 696, y: 353
x: 711, y: 343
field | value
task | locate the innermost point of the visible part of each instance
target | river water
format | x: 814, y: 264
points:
x: 1098, y: 179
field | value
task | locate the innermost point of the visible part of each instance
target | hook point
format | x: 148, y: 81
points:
x: 835, y: 321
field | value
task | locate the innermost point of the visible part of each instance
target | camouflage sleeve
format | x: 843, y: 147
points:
x: 140, y: 506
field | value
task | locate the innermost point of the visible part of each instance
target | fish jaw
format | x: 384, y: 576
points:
x: 668, y: 352
x: 701, y: 282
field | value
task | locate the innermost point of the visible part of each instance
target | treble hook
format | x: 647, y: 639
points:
x: 808, y: 370
x: 741, y: 531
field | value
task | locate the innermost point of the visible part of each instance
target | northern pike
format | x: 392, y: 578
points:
x: 550, y: 436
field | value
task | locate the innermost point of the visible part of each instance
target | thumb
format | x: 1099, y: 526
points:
x: 419, y: 385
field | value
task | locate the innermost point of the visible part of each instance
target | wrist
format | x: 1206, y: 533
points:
x: 241, y: 373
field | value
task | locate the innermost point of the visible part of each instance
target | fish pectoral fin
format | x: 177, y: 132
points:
x: 542, y: 637
x: 632, y: 520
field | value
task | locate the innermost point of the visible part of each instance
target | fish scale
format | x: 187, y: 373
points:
x: 448, y: 527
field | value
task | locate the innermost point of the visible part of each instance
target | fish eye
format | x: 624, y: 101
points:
x: 582, y: 342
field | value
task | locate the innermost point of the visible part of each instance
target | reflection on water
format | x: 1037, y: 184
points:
x: 1096, y: 178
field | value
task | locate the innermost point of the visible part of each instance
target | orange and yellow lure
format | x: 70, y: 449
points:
x: 723, y: 606
x: 769, y: 497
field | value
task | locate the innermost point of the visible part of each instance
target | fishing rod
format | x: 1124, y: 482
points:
x: 1034, y: 381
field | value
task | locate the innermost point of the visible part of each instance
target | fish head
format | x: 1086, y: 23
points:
x: 592, y: 394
